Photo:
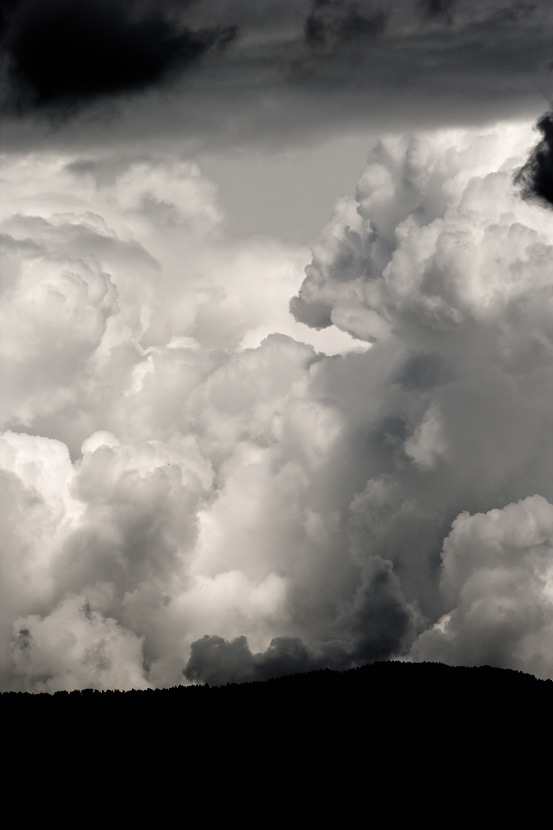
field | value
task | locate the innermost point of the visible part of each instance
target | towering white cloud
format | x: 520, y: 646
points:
x: 191, y: 487
x: 498, y: 578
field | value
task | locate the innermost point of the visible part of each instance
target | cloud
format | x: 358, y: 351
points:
x: 192, y: 485
x: 497, y: 573
x: 217, y: 661
x: 76, y: 648
x: 265, y: 75
x: 64, y: 55
x: 139, y: 364
x: 419, y: 220
x: 535, y: 177
x: 374, y: 625
x: 83, y: 299
x: 331, y: 24
x: 54, y: 315
x: 437, y: 8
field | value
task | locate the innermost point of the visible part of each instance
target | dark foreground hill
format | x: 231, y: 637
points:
x: 390, y: 734
x: 410, y: 696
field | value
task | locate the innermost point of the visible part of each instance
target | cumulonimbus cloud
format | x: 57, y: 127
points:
x: 190, y: 489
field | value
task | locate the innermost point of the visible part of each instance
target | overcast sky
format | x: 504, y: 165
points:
x: 276, y: 376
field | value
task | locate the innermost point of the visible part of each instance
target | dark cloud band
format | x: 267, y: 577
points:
x: 65, y: 54
x: 323, y: 65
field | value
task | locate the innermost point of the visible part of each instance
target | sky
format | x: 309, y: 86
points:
x: 276, y: 367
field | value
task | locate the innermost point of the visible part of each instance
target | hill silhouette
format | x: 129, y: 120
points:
x: 396, y: 689
x: 390, y: 737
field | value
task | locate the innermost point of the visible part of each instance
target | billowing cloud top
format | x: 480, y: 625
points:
x: 189, y: 487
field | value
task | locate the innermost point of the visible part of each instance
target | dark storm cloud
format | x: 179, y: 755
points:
x: 536, y: 176
x: 423, y: 371
x: 515, y: 12
x: 331, y: 23
x: 24, y: 638
x: 297, y: 71
x: 216, y: 661
x: 65, y: 54
x: 376, y: 624
x: 437, y: 8
x: 380, y: 622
